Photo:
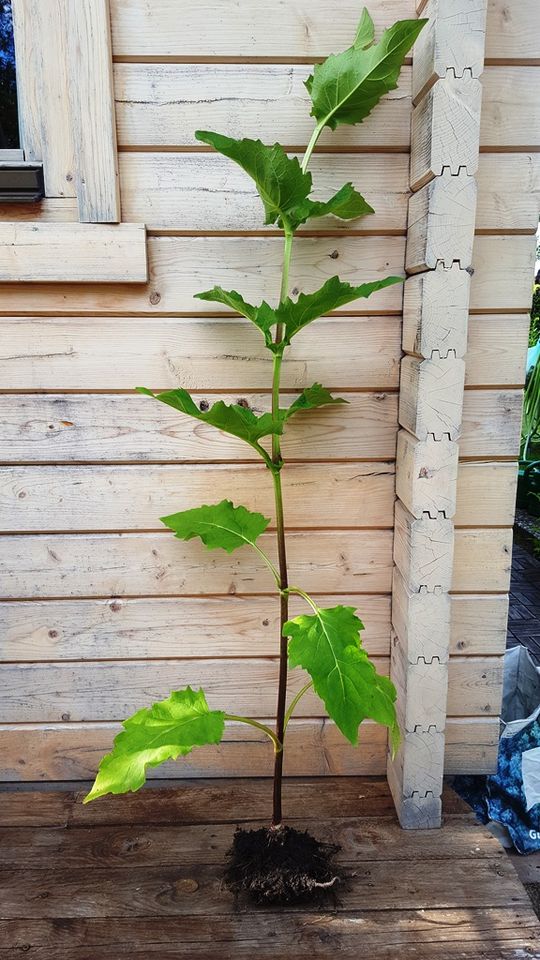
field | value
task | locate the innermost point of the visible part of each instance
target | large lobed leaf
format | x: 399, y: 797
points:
x: 346, y: 87
x: 283, y: 186
x: 295, y: 314
x: 327, y: 645
x: 164, y: 731
x: 231, y: 418
x: 221, y: 525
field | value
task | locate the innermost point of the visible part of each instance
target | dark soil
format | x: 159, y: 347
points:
x: 281, y: 866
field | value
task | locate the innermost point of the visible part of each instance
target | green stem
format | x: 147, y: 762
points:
x: 260, y: 726
x: 309, y: 149
x: 298, y: 697
x: 269, y: 564
x: 305, y: 596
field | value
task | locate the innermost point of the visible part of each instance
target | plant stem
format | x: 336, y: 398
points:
x: 282, y: 551
x: 260, y: 726
x: 309, y: 149
x: 307, y: 686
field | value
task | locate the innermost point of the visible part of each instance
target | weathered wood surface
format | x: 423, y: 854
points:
x: 303, y: 31
x: 77, y: 253
x: 41, y: 41
x: 155, y: 564
x: 197, y: 192
x: 66, y: 354
x: 181, y: 267
x: 241, y: 626
x: 119, y: 428
x: 72, y: 751
x: 52, y: 692
x: 356, y: 495
x: 92, y: 117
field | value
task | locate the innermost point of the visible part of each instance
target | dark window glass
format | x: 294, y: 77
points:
x: 9, y: 125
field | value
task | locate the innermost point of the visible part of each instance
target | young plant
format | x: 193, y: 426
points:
x: 325, y: 642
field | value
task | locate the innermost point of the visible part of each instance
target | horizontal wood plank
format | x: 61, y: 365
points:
x: 183, y: 627
x: 303, y: 30
x: 57, y: 354
x: 510, y: 111
x: 73, y: 252
x: 79, y: 847
x: 182, y: 266
x: 180, y: 891
x: 52, y: 692
x: 200, y: 354
x: 101, y: 565
x: 157, y: 564
x: 230, y: 626
x: 202, y: 192
x: 316, y: 495
x: 160, y: 105
x: 236, y: 937
x: 108, y: 427
x: 101, y: 427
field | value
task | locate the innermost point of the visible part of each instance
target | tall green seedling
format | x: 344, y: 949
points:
x: 325, y: 642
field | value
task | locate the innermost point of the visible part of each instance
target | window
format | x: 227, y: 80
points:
x: 9, y: 125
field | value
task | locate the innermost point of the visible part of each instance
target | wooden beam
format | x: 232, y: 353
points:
x: 445, y: 136
x: 73, y: 253
x: 93, y: 123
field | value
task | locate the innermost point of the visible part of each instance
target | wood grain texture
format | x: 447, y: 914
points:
x: 76, y: 428
x: 510, y: 111
x: 66, y: 354
x: 101, y: 565
x: 53, y: 692
x: 101, y: 498
x: 196, y: 192
x: 445, y: 130
x: 92, y: 119
x: 41, y: 37
x: 154, y: 628
x: 154, y: 564
x: 180, y: 267
x: 77, y: 253
x: 301, y: 31
x: 103, y: 427
x: 160, y: 105
x: 201, y: 192
x: 453, y: 37
x: 228, y: 626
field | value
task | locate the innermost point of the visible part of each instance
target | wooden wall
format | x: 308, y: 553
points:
x: 103, y: 610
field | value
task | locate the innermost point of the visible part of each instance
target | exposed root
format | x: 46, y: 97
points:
x: 280, y: 865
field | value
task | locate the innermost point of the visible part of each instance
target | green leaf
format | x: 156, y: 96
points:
x: 334, y: 293
x: 346, y: 87
x: 279, y: 179
x: 327, y: 645
x: 262, y: 316
x: 309, y: 399
x: 347, y: 204
x: 365, y: 35
x: 221, y: 525
x: 232, y: 418
x: 164, y: 731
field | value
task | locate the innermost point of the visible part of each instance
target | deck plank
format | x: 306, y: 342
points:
x: 431, y: 934
x: 140, y: 876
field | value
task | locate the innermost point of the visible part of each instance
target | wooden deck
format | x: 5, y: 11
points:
x: 140, y: 877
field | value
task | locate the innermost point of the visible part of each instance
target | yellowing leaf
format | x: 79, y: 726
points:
x: 164, y: 731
